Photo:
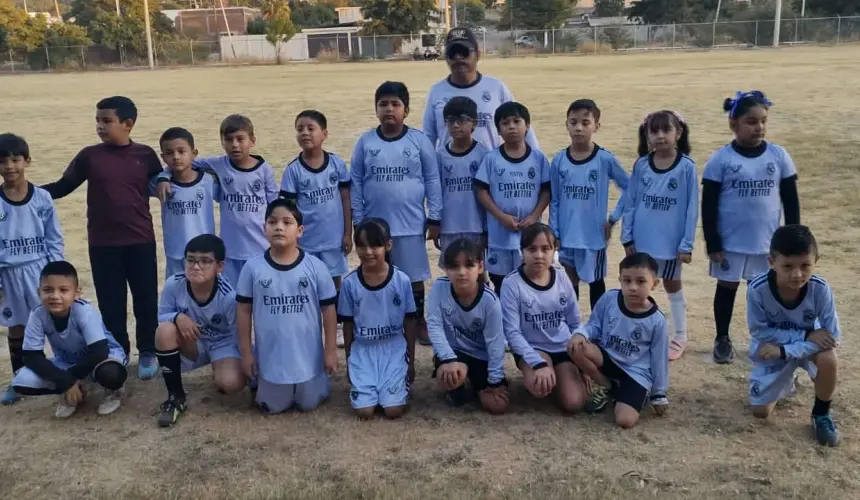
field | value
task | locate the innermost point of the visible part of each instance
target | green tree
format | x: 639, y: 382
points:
x: 830, y: 7
x: 279, y: 26
x: 675, y: 11
x: 18, y: 31
x: 397, y: 16
x: 312, y: 15
x: 536, y: 14
x: 608, y: 8
x: 471, y: 12
x: 104, y: 27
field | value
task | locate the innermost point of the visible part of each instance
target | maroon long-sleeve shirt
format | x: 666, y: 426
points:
x: 117, y: 193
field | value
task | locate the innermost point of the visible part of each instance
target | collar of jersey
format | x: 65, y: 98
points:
x: 771, y: 283
x: 30, y: 190
x: 188, y: 184
x: 401, y: 135
x: 749, y: 152
x: 631, y: 314
x: 311, y: 169
x: 467, y: 86
x: 211, y: 295
x: 464, y: 153
x: 474, y: 303
x: 574, y: 161
x: 379, y: 286
x: 532, y: 284
x: 282, y: 267
x: 656, y: 170
x: 259, y: 164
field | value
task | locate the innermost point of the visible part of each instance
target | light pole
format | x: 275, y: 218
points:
x: 776, y: 21
x: 148, y: 34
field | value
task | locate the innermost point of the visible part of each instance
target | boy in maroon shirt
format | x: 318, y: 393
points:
x: 119, y: 225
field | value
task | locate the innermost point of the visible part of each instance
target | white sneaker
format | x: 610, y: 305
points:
x: 64, y: 410
x: 111, y: 401
x: 340, y: 342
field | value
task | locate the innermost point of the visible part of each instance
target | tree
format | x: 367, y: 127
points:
x: 830, y: 7
x: 389, y: 17
x: 608, y: 8
x: 279, y: 26
x: 312, y: 15
x: 18, y: 31
x: 490, y: 4
x: 536, y: 14
x: 470, y: 12
x: 104, y: 27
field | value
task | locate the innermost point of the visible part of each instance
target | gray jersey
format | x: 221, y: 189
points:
x: 216, y: 316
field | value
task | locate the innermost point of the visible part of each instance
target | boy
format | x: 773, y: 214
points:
x: 197, y: 325
x: 792, y: 319
x: 512, y: 184
x: 624, y: 347
x: 580, y: 176
x: 459, y: 159
x: 189, y: 210
x: 247, y: 185
x: 83, y: 349
x: 31, y: 237
x: 282, y: 294
x: 119, y: 225
x: 318, y: 182
x: 394, y: 171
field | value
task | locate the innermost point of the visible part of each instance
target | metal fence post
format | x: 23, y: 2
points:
x: 374, y: 46
x: 191, y: 47
x: 83, y: 58
x: 553, y: 40
x: 48, y: 58
x: 838, y: 27
x: 595, y: 39
x: 755, y: 43
x: 11, y: 60
x: 484, y: 42
x: 673, y: 36
x: 714, y: 35
x: 796, y: 27
x: 337, y: 45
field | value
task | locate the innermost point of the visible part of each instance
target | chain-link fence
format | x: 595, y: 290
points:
x: 350, y: 46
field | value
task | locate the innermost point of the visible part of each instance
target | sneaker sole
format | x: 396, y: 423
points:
x: 108, y: 409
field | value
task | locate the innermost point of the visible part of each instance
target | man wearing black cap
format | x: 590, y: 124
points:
x: 461, y: 54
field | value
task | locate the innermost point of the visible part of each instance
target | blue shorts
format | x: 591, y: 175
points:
x: 334, y: 260
x: 377, y: 374
x: 771, y: 381
x: 174, y: 266
x: 738, y: 266
x: 669, y: 269
x: 409, y: 254
x: 28, y: 378
x: 502, y: 262
x: 446, y: 239
x: 590, y: 265
x: 20, y: 292
x: 210, y: 352
x: 277, y: 398
x: 232, y: 269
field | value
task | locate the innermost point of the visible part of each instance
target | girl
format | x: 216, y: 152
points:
x: 464, y: 319
x: 539, y: 312
x: 663, y: 207
x: 379, y: 325
x: 746, y: 186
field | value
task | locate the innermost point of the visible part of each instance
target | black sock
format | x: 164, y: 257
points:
x: 16, y: 354
x: 497, y: 279
x: 418, y: 295
x: 596, y: 289
x: 461, y: 395
x: 171, y: 370
x: 820, y: 408
x: 724, y: 304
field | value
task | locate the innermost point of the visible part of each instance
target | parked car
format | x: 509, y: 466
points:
x: 525, y: 41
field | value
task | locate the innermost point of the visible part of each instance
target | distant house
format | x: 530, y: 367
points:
x: 209, y: 23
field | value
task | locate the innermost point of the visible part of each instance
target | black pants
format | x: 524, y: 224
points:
x: 136, y: 267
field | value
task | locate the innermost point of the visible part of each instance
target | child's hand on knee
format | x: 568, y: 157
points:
x: 575, y: 343
x: 823, y: 339
x: 544, y: 381
x: 452, y: 375
x: 769, y: 351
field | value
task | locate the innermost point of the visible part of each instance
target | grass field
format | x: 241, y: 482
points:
x: 709, y: 446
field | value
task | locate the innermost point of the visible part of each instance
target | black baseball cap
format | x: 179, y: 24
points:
x: 461, y: 36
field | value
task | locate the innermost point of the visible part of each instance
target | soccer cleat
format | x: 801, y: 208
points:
x: 825, y: 430
x: 598, y: 399
x: 9, y: 397
x: 724, y: 353
x: 676, y: 349
x: 423, y: 335
x: 170, y: 411
x: 111, y: 401
x: 147, y: 367
x: 340, y: 342
x: 64, y: 410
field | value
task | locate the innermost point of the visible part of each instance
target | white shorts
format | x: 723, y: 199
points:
x: 502, y: 262
x: 737, y: 266
x: 20, y: 292
x: 232, y: 269
x: 377, y: 374
x: 210, y: 352
x: 590, y: 265
x: 770, y: 382
x: 445, y: 241
x: 28, y: 378
x: 174, y: 266
x: 277, y: 398
x: 409, y: 254
x: 334, y: 260
x: 669, y: 269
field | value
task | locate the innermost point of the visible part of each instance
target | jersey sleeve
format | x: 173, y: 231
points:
x: 288, y: 183
x: 92, y: 326
x: 271, y: 186
x: 34, y: 333
x: 510, y: 300
x: 345, y: 304
x: 787, y: 166
x: 325, y: 286
x: 428, y: 122
x: 620, y: 178
x: 408, y: 299
x: 228, y: 310
x: 692, y: 211
x: 544, y: 170
x: 356, y: 193
x: 482, y: 176
x: 207, y: 164
x: 630, y: 201
x: 494, y: 337
x: 593, y: 330
x: 245, y: 287
x: 714, y: 169
x: 659, y: 360
x: 344, y: 180
x: 436, y: 323
x: 555, y: 191
x: 216, y: 187
x: 432, y: 184
x: 792, y: 342
x: 826, y: 310
x: 53, y: 233
x: 167, y: 308
x: 572, y: 314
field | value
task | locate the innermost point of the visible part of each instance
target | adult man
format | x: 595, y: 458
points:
x: 462, y: 54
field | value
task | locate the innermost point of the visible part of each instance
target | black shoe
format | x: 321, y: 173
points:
x: 170, y: 411
x: 724, y: 353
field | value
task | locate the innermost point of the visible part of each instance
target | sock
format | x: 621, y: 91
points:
x: 171, y: 370
x: 497, y: 279
x: 820, y: 408
x: 16, y: 354
x: 418, y: 295
x: 596, y: 289
x: 678, y: 307
x: 724, y: 304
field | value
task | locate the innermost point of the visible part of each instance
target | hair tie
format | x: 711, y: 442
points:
x: 679, y: 117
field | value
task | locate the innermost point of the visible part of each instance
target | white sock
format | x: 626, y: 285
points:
x: 678, y: 307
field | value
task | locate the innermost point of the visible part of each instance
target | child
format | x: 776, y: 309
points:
x: 662, y: 207
x: 374, y: 305
x: 464, y: 318
x: 31, y: 237
x: 189, y: 210
x: 318, y: 181
x: 394, y: 171
x: 624, y: 347
x: 247, y: 186
x: 83, y: 349
x: 462, y: 216
x: 282, y: 294
x: 540, y: 311
x: 793, y: 323
x: 580, y: 176
x: 746, y: 186
x: 119, y: 225
x: 512, y: 184
x: 197, y: 325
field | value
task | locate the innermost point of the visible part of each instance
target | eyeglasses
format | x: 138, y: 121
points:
x: 458, y: 120
x: 202, y: 263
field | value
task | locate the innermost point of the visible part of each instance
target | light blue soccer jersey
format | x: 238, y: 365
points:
x: 580, y: 197
x: 30, y: 229
x: 188, y: 212
x: 84, y: 327
x: 475, y: 329
x: 538, y: 317
x: 392, y: 178
x: 637, y: 342
x: 378, y: 312
x: 461, y: 212
x: 317, y: 194
x: 488, y: 93
x: 772, y: 321
x: 661, y: 208
x: 287, y: 306
x: 515, y: 186
x: 216, y: 318
x: 750, y: 207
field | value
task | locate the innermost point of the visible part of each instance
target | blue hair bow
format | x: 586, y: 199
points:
x: 756, y: 96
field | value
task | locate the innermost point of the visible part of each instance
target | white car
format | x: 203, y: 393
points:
x: 525, y: 41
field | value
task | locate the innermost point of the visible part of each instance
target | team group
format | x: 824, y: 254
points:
x: 264, y: 303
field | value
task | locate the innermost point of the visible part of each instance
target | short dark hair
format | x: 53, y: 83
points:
x: 639, y: 260
x: 742, y: 102
x: 460, y: 106
x: 374, y: 232
x: 13, y: 145
x: 59, y: 268
x: 177, y: 133
x: 793, y: 240
x: 584, y: 105
x: 315, y: 116
x: 122, y: 106
x: 236, y: 123
x: 287, y: 203
x: 472, y: 250
x: 396, y: 89
x: 207, y: 243
x: 530, y: 234
x: 511, y: 109
x: 661, y: 121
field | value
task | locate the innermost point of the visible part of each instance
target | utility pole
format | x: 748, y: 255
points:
x: 776, y: 22
x: 148, y: 34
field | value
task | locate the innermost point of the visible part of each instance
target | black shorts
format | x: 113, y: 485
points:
x: 624, y: 388
x: 478, y: 370
x: 556, y: 357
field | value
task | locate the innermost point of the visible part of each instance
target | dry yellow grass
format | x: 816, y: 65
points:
x: 708, y: 447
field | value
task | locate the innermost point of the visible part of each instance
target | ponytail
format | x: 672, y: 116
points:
x: 644, y: 148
